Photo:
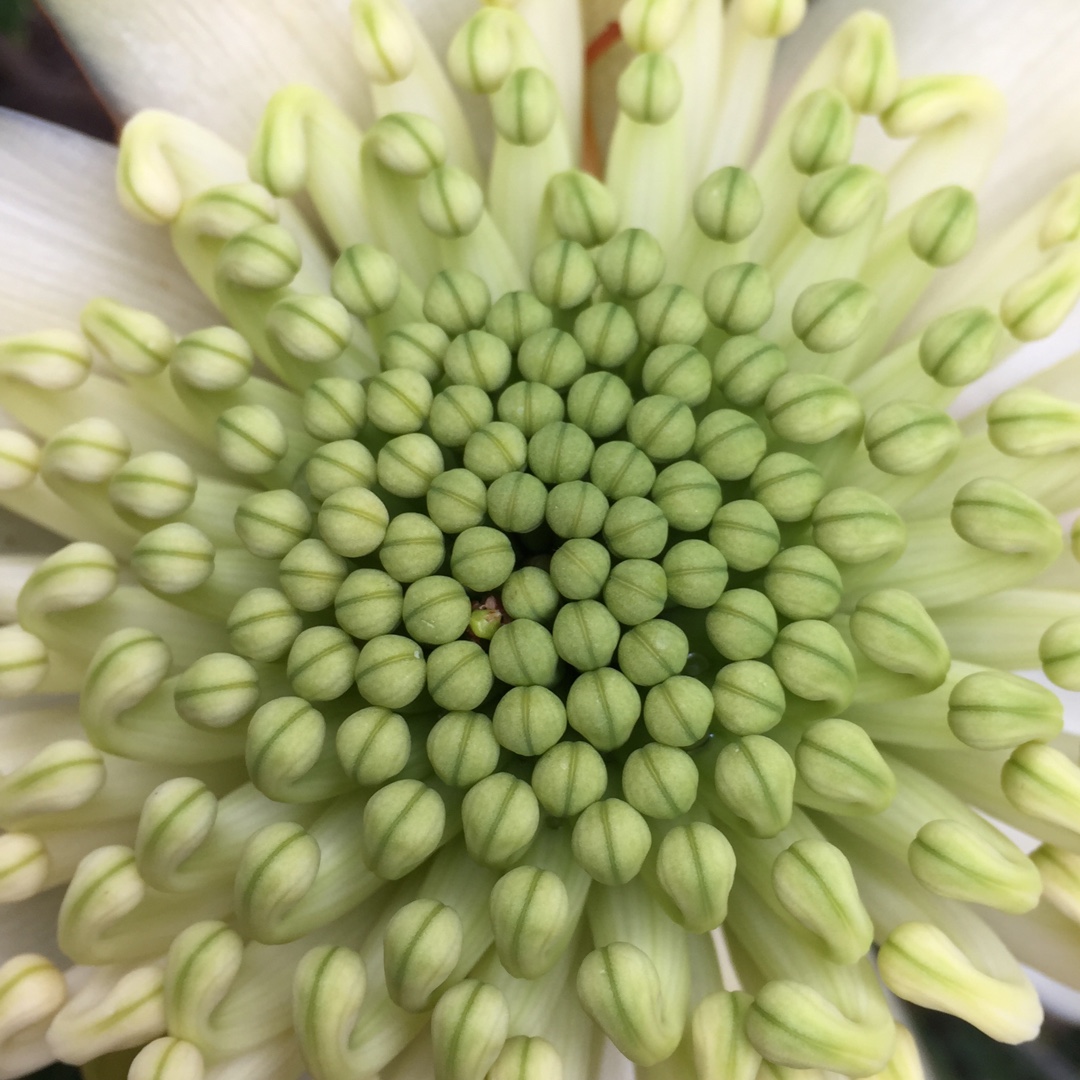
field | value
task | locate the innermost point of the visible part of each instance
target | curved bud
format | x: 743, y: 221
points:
x: 481, y: 53
x: 373, y: 745
x: 813, y: 661
x: 895, y: 631
x: 450, y: 202
x: 277, y: 869
x: 755, y: 779
x: 727, y: 205
x: 835, y: 201
x: 956, y: 348
x: 525, y: 1057
x: 421, y: 949
x: 468, y: 1029
x: 168, y: 1058
x: 808, y: 408
x: 89, y: 451
x: 173, y: 559
x: 499, y: 816
x: 329, y: 986
x: 404, y: 823
x: 660, y: 781
x: 854, y: 526
x: 525, y: 108
x: 31, y: 993
x: 1060, y: 873
x: 944, y: 226
x: 250, y: 439
x: 382, y: 40
x: 1041, y: 781
x: 407, y: 143
x: 1026, y: 422
x: 20, y: 460
x: 771, y: 18
x: 334, y: 408
x: 25, y: 867
x: 837, y: 760
x: 24, y: 662
x: 582, y: 208
x: 263, y: 624
x: 133, y: 342
x: 48, y: 359
x: 62, y: 776
x: 366, y: 281
x: 263, y: 258
x: 531, y: 919
x: 718, y: 1030
x: 996, y: 710
x: 823, y: 132
x: 312, y: 329
x: 610, y: 841
x: 788, y: 486
x: 321, y: 663
x: 905, y: 438
x: 695, y: 866
x: 831, y: 315
x: 651, y: 25
x: 739, y: 298
x: 1059, y: 653
x: 214, y: 359
x: 153, y: 486
x: 802, y: 582
x: 176, y: 821
x: 994, y: 515
x: 1036, y: 306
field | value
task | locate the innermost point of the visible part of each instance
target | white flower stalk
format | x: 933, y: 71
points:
x: 552, y: 603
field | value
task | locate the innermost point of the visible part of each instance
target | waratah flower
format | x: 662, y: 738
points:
x: 550, y: 601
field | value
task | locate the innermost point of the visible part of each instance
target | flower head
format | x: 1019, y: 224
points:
x: 553, y: 602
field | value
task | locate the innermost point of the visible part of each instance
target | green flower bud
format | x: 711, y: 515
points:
x: 660, y: 781
x: 525, y: 1057
x: 853, y: 526
x: 944, y: 226
x: 153, y: 486
x: 286, y: 753
x: 390, y: 671
x: 636, y: 591
x: 398, y: 401
x: 173, y: 559
x: 90, y: 451
x: 459, y: 675
x: 662, y: 427
x: 729, y: 444
x: 461, y: 747
x: 516, y: 316
x: 837, y: 760
x: 321, y: 663
x: 994, y: 515
x: 134, y: 342
x: 403, y: 825
x: 482, y: 558
x: 450, y: 202
x: 905, y: 438
x: 823, y: 133
x: 413, y: 548
x: 365, y: 280
x: 894, y: 630
x: 649, y: 89
x: 585, y: 634
x: 576, y: 509
x: 457, y: 412
x: 1059, y: 653
x: 499, y: 816
x: 688, y: 495
x: 456, y: 500
x: 579, y: 568
x: 559, y: 453
x: 755, y: 780
x: 218, y: 690
x: 787, y: 485
x: 525, y: 107
x: 421, y: 948
x: 748, y: 698
x: 1035, y: 306
x: 727, y: 205
x: 995, y: 710
x: 481, y: 55
x: 262, y: 625
x: 1043, y: 782
x: 373, y: 746
x: 494, y: 450
x: 311, y: 574
x: 408, y: 464
x: 523, y: 654
x: 651, y: 27
x: 803, y: 583
x: 599, y: 403
x: 603, y: 706
x: 529, y: 593
x: 582, y: 208
x: 529, y: 720
x: 311, y: 329
x: 607, y: 334
x: 742, y: 624
x: 416, y: 346
x: 957, y: 348
x: 630, y: 264
x: 468, y: 1030
x: 831, y: 315
x: 610, y: 841
x: 811, y: 409
x: 745, y: 368
x: 963, y: 862
x: 457, y: 301
x: 353, y: 522
x: 671, y: 315
x: 551, y: 357
x: 563, y: 275
x: 336, y: 465
x: 653, y: 651
x: 635, y: 528
x: 746, y: 534
x: 569, y: 777
x: 739, y: 298
x: 530, y: 406
x: 477, y: 358
x: 679, y: 371
x: 1029, y: 423
x: 619, y: 469
x: 334, y: 408
x: 837, y: 200
x: 368, y: 604
x: 215, y: 359
x: 531, y: 919
x: 678, y: 711
x: 812, y: 661
x: 695, y: 866
x: 721, y: 1047
x: 263, y: 257
x: 250, y: 439
x: 696, y: 574
x: 436, y: 610
x: 20, y: 460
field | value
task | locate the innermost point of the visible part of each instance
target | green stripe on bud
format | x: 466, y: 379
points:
x: 695, y: 866
x: 1059, y: 653
x: 1060, y: 873
x: 678, y: 711
x: 373, y: 745
x: 417, y: 346
x: 457, y: 301
x: 905, y: 438
x: 754, y: 778
x: 531, y: 919
x: 382, y: 41
x: 649, y: 90
x: 468, y: 1029
x: 530, y: 406
x: 894, y: 630
x: 407, y: 465
x: 1036, y: 305
x: 436, y: 610
x: 772, y: 18
x: 610, y: 841
x: 365, y: 280
x: 944, y: 226
x: 636, y: 591
x: 746, y: 534
x: 955, y: 349
x: 585, y: 634
x: 390, y: 671
x: 525, y: 108
x: 831, y: 315
x: 403, y: 825
x: 529, y: 593
x: 481, y: 53
x: 679, y: 371
x: 263, y: 624
x: 718, y: 1030
x: 747, y: 697
x: 839, y: 762
x: 457, y: 412
x: 803, y: 583
x: 630, y: 264
x: 653, y: 651
x: 24, y: 662
x: 603, y: 705
x: 995, y: 710
x: 90, y: 451
x: 516, y: 501
x: 527, y: 1057
x: 250, y: 439
x: 407, y: 144
x: 477, y: 358
x: 334, y: 408
x: 599, y: 403
x: 661, y: 427
x: 813, y: 661
x: 522, y: 653
x: 368, y: 604
x: 499, y: 816
x: 729, y: 444
x: 311, y: 574
x: 456, y: 500
x: 563, y: 275
x: 745, y: 368
x: 671, y: 315
x: 1041, y: 781
x: 288, y: 757
x: 133, y: 342
x: 48, y: 359
x: 651, y: 25
x: 153, y: 486
x: 312, y: 329
x: 421, y: 949
x: 739, y: 298
x: 173, y: 559
x: 787, y: 485
x: 271, y: 523
x: 742, y: 624
x: 579, y: 568
x: 606, y: 333
x: 261, y: 258
x: 575, y: 509
x: 1026, y: 422
x: 20, y: 460
x: 854, y: 526
x: 516, y: 316
x: 688, y: 495
x: 560, y: 452
x: 660, y: 781
x: 399, y: 401
x: 529, y: 720
x: 216, y: 691
x: 412, y: 548
x: 635, y: 528
x: 620, y: 470
x: 994, y: 515
x: 321, y: 663
x: 353, y: 521
x: 450, y: 202
x: 568, y: 778
x: 727, y: 205
x: 462, y: 748
x: 582, y: 208
x: 835, y: 201
x: 823, y: 132
x: 807, y: 408
x: 696, y: 572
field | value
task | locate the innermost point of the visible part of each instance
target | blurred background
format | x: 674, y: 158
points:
x: 39, y: 76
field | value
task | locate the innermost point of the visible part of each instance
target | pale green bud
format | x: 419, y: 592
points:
x: 729, y: 444
x: 607, y: 334
x: 854, y: 526
x: 522, y: 653
x: 994, y: 515
x: 772, y: 18
x: 585, y: 634
x: 399, y: 401
x: 531, y: 920
x: 895, y: 631
x: 373, y: 746
x: 551, y: 357
x: 747, y: 697
x: 630, y: 264
x: 745, y: 368
x: 352, y: 522
x: 600, y: 402
x: 678, y: 711
x: 20, y: 460
x: 456, y: 500
x: 412, y: 549
x: 603, y: 706
x: 813, y: 661
x: 421, y: 949
x: 477, y: 358
x: 24, y: 662
x: 382, y: 41
x: 365, y: 280
x: 516, y: 501
x: 527, y: 1057
x: 696, y: 573
x: 529, y: 593
x: 1037, y: 304
x: 679, y: 371
x: 575, y: 509
x: 905, y: 438
x: 407, y: 144
x: 1026, y: 422
x: 755, y: 780
x: 1060, y: 873
x: 321, y: 663
x: 653, y: 651
x: 436, y: 610
x: 649, y: 89
x: 579, y: 568
x: 742, y: 624
x: 619, y: 469
x: 340, y: 464
x: 416, y: 346
x: 312, y: 329
x: 458, y: 675
x: 837, y: 760
x: 660, y: 781
x: 746, y: 534
x: 482, y: 558
x: 263, y: 257
x: 133, y: 342
x: 995, y: 710
x: 831, y: 315
x: 671, y: 315
x: 530, y: 406
x: 814, y: 883
x: 560, y: 452
x: 525, y: 108
x: 529, y: 720
x: 636, y: 591
x: 468, y: 1029
x: 457, y: 412
x: 403, y: 825
x: 807, y: 408
x: 450, y: 202
x: 271, y: 523
x: 569, y: 777
x: 1041, y: 781
x: 662, y: 427
x: 461, y: 747
x: 285, y: 753
x: 368, y: 604
x: 456, y: 301
x: 563, y: 275
x: 390, y: 671
x: 803, y: 583
x: 610, y: 841
x: 955, y: 349
x: 823, y: 133
x: 582, y: 208
x: 787, y: 486
x: 651, y: 26
x: 944, y: 226
x: 739, y: 298
x: 837, y: 200
x: 173, y: 559
x: 499, y: 816
x: 407, y: 465
x: 1059, y: 653
x: 250, y: 439
x: 516, y: 316
x: 263, y: 624
x: 727, y: 205
x: 90, y: 451
x: 481, y: 54
x: 153, y: 486
x: 695, y: 866
x: 216, y: 691
x: 718, y: 1032
x: 334, y: 408
x: 48, y: 359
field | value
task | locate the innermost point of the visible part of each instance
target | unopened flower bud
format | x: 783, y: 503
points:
x: 831, y: 315
x: 1059, y: 653
x: 812, y: 661
x: 390, y: 671
x: 531, y: 920
x: 270, y: 523
x: 995, y: 710
x: 747, y: 697
x: 854, y: 526
x: 134, y: 342
x: 153, y: 486
x: 808, y: 408
x: 653, y: 651
x: 955, y: 349
x: 606, y: 333
x: 727, y: 205
x: 994, y: 515
x: 421, y: 949
x: 837, y: 760
x: 403, y: 825
x: 456, y: 500
x: 468, y: 1029
x: 787, y: 486
x: 746, y: 534
x: 660, y: 781
x: 603, y: 706
x: 610, y: 841
x: 671, y: 315
x: 563, y: 275
x: 216, y: 691
x: 173, y: 559
x: 569, y: 777
x: 1026, y: 422
x: 755, y: 780
x: 525, y: 108
x: 373, y: 745
x: 457, y: 412
x: 619, y: 469
x: 835, y: 201
x: 650, y: 90
x: 905, y: 438
x: 462, y: 748
x: 630, y: 264
x: 803, y: 583
x: 895, y: 631
x: 263, y: 624
x: 944, y: 226
x: 457, y: 301
x: 582, y: 208
x: 696, y: 573
x: 263, y: 257
x: 251, y: 439
x: 499, y: 816
x: 823, y: 134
